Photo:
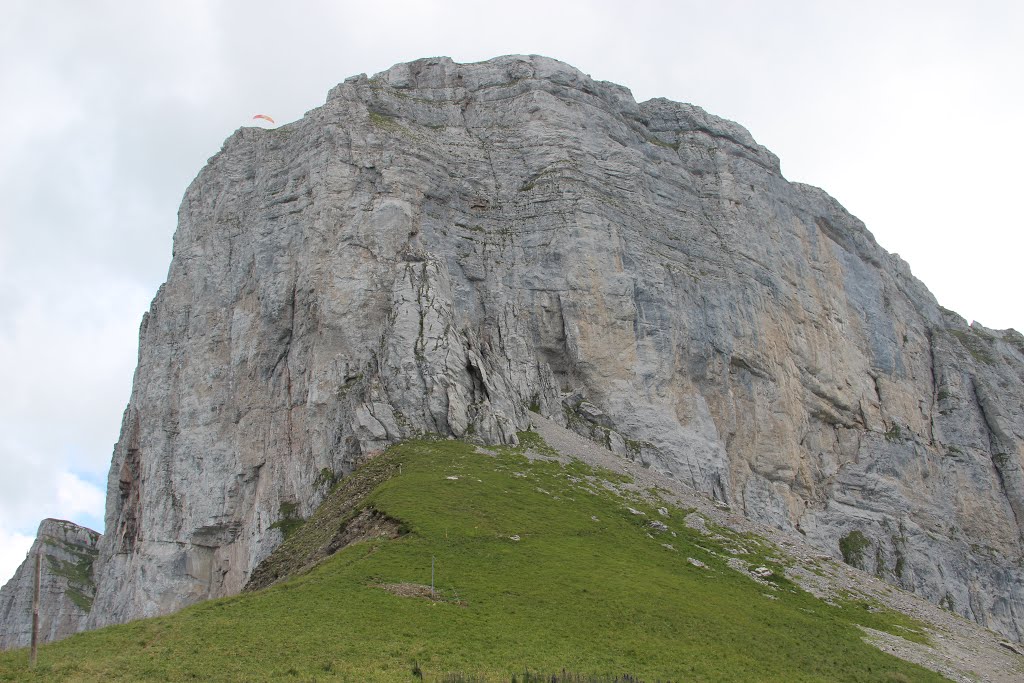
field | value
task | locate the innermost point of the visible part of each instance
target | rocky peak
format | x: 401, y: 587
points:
x: 438, y: 78
x: 66, y: 590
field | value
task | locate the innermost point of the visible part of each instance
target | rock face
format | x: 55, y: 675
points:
x: 444, y: 247
x: 66, y: 586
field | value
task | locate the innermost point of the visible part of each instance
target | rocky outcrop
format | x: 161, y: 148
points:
x: 66, y: 587
x: 444, y: 247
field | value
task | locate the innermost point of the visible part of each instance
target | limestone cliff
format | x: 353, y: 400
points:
x: 444, y: 247
x: 66, y: 586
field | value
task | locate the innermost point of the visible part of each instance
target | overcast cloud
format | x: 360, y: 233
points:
x: 908, y: 115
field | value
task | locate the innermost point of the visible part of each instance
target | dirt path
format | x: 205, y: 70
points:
x: 962, y: 651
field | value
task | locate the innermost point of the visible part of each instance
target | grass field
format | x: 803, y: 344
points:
x: 589, y: 587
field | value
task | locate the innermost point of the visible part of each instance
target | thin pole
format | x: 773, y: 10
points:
x: 35, y: 609
x: 431, y: 576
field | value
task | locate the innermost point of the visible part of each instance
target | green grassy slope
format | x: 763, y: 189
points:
x: 588, y: 587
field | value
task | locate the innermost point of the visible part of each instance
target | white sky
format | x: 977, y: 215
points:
x: 907, y: 112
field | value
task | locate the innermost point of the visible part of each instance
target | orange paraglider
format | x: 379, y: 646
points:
x: 264, y: 117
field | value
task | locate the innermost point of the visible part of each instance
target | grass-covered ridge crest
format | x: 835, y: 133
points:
x: 541, y: 563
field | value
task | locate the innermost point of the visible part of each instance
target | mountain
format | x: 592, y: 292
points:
x: 449, y: 248
x: 66, y: 587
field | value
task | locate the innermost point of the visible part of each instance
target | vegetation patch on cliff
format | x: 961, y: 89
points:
x: 330, y: 528
x: 852, y: 547
x: 978, y: 344
x: 77, y: 571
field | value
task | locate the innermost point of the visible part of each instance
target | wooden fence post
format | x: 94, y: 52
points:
x: 35, y: 609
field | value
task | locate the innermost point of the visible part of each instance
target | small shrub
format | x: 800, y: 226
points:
x: 325, y: 479
x: 895, y: 434
x: 852, y: 547
x: 290, y: 519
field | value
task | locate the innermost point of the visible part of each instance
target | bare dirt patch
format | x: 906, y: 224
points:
x: 418, y: 590
x: 408, y: 590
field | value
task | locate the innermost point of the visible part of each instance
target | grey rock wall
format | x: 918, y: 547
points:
x: 66, y: 587
x: 443, y: 247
